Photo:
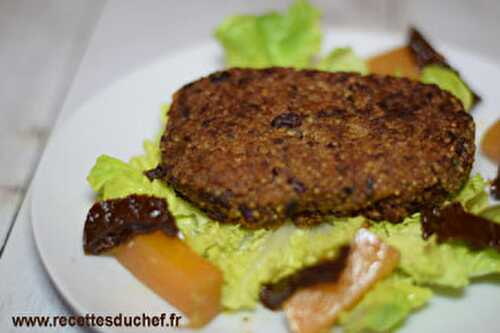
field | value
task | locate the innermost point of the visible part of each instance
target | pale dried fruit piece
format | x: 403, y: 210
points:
x: 490, y: 144
x: 398, y: 62
x: 176, y: 273
x: 315, y: 309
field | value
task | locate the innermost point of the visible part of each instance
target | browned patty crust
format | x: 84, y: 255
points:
x: 258, y: 146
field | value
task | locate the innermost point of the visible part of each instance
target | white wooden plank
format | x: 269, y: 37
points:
x: 42, y: 45
x: 10, y: 198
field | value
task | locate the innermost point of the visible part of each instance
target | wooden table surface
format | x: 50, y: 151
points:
x: 54, y: 54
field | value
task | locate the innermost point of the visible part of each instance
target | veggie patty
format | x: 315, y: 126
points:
x: 256, y: 147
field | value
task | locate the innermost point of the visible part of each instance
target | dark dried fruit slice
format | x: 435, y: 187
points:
x: 156, y: 173
x: 425, y: 54
x: 275, y: 294
x: 113, y: 222
x: 495, y: 186
x: 453, y: 223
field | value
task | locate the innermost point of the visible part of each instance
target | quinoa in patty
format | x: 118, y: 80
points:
x: 256, y: 147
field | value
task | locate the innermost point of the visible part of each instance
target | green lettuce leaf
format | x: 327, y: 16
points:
x: 386, y: 306
x: 273, y: 39
x: 427, y: 262
x: 448, y: 80
x: 473, y: 195
x: 343, y: 60
x: 492, y: 213
x: 447, y: 264
x: 113, y: 178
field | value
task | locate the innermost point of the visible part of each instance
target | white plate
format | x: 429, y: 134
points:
x: 116, y: 122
